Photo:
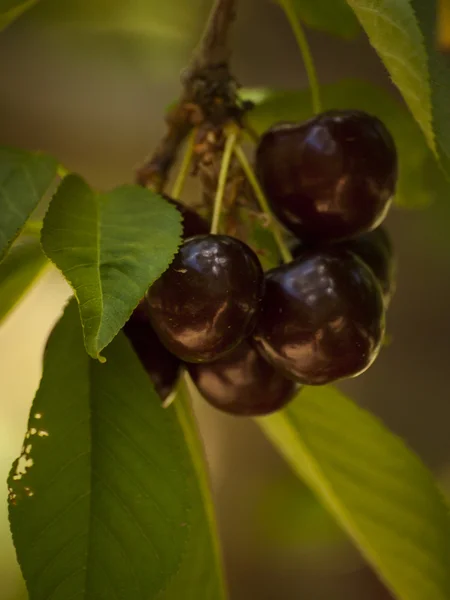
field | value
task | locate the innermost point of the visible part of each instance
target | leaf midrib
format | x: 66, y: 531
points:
x: 97, y: 200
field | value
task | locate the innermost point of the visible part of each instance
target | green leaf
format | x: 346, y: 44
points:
x: 287, y: 513
x: 24, y: 179
x: 110, y: 247
x: 407, y: 47
x: 420, y: 179
x: 331, y: 16
x: 18, y: 272
x: 439, y: 76
x: 376, y: 488
x: 103, y: 500
x: 200, y: 575
x: 10, y: 10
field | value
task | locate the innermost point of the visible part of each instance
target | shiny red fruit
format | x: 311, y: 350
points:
x: 242, y: 383
x: 332, y: 177
x: 207, y: 301
x: 323, y: 317
x: 162, y: 366
x: 375, y: 249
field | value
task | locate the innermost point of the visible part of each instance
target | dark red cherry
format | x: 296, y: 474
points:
x: 242, y: 383
x: 332, y: 177
x: 162, y: 366
x: 207, y: 301
x: 322, y: 318
x: 376, y: 250
x: 193, y: 223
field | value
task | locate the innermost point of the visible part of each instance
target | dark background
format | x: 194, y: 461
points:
x: 89, y: 81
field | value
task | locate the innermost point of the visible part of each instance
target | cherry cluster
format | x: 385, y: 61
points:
x: 249, y: 339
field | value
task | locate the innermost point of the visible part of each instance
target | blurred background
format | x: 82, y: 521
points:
x: 89, y: 81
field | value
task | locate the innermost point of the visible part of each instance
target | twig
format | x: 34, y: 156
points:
x: 214, y: 47
x: 155, y: 171
x: 209, y: 93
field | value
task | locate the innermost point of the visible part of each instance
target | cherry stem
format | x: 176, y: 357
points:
x: 303, y: 44
x: 178, y: 186
x: 263, y: 203
x: 223, y: 176
x: 173, y: 394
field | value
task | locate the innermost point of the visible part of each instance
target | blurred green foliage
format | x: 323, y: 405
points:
x: 148, y: 32
x: 288, y: 514
x: 331, y: 16
x: 10, y: 10
x: 168, y: 20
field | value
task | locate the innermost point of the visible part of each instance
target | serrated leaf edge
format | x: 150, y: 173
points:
x: 94, y: 352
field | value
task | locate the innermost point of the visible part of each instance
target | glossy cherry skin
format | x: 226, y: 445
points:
x: 242, y: 383
x: 323, y: 317
x: 208, y: 300
x: 162, y: 366
x: 193, y: 223
x: 375, y: 249
x: 332, y: 177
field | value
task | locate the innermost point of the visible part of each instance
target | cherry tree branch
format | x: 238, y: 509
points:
x: 214, y: 48
x: 209, y: 94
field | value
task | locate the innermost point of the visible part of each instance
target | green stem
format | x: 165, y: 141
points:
x: 263, y: 203
x: 223, y: 175
x: 302, y: 42
x: 185, y: 166
x: 32, y: 228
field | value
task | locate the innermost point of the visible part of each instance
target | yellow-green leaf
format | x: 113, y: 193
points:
x: 24, y: 179
x: 105, y: 500
x: 110, y: 247
x: 200, y: 574
x: 18, y: 272
x: 404, y: 36
x: 376, y: 488
x: 10, y: 10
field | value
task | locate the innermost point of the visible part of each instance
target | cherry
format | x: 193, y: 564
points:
x: 162, y: 366
x: 376, y: 251
x: 208, y: 300
x: 193, y: 223
x: 242, y: 383
x: 331, y: 177
x: 322, y: 317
